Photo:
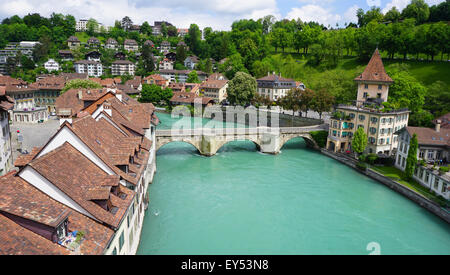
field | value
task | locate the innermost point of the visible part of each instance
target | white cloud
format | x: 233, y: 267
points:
x: 401, y: 4
x: 314, y: 13
x: 350, y: 14
x: 217, y: 14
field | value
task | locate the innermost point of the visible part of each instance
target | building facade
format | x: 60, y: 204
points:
x: 92, y: 68
x: 379, y: 125
x: 434, y: 149
x: 216, y: 89
x: 275, y: 86
x: 122, y: 67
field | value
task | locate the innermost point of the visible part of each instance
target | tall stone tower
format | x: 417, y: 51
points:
x: 374, y: 82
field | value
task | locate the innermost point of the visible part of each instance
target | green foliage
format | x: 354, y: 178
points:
x: 193, y: 77
x: 411, y: 160
x: 320, y: 137
x: 155, y: 94
x: 371, y: 158
x: 361, y: 166
x: 80, y: 84
x: 241, y: 89
x: 359, y: 141
x: 444, y: 169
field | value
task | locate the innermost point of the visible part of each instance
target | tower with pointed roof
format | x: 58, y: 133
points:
x: 373, y: 83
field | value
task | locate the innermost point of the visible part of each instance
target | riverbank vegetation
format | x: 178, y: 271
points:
x: 400, y: 177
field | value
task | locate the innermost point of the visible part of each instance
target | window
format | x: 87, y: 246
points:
x: 430, y: 154
x: 436, y: 183
x: 366, y: 86
x: 378, y: 95
x: 121, y: 241
x: 366, y: 95
x: 374, y: 119
x: 114, y: 252
x: 403, y: 162
x: 373, y: 130
x: 362, y: 117
x: 380, y: 87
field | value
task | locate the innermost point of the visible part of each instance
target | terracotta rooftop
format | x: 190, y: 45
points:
x: 28, y: 202
x: 6, y: 103
x: 77, y: 181
x: 49, y: 83
x: 74, y: 99
x: 215, y: 84
x: 16, y: 240
x: 445, y: 121
x: 429, y: 136
x: 274, y: 77
x: 375, y: 70
x: 24, y: 159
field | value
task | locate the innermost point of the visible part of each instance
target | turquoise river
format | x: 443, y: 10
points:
x: 298, y: 202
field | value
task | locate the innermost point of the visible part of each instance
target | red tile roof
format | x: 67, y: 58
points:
x: 375, y: 70
x: 429, y: 136
x: 76, y: 181
x: 29, y: 202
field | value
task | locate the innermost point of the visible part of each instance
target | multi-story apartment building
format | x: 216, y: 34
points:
x: 275, y: 86
x: 122, y: 67
x: 47, y: 89
x: 130, y: 45
x: 25, y: 47
x: 81, y: 25
x: 434, y: 148
x: 156, y: 29
x: 181, y: 75
x: 215, y: 88
x: 107, y: 154
x: 6, y: 105
x: 92, y: 68
x: 380, y: 125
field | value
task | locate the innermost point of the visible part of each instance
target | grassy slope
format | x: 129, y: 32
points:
x: 426, y: 72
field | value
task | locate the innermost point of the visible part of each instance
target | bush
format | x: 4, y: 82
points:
x: 444, y: 169
x: 320, y: 137
x: 361, y: 166
x: 362, y: 158
x: 371, y: 158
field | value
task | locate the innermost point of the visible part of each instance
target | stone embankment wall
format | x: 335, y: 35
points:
x: 410, y: 194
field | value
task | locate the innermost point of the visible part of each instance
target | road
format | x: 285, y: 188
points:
x: 33, y: 135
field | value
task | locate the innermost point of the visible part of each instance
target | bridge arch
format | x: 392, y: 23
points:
x: 160, y: 144
x: 284, y: 138
x: 221, y: 144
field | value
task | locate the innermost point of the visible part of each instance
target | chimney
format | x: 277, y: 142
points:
x: 438, y: 125
x: 80, y: 94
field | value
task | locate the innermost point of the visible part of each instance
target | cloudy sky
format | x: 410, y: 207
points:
x: 218, y: 14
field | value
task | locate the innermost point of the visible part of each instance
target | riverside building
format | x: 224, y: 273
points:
x: 88, y: 183
x: 378, y: 123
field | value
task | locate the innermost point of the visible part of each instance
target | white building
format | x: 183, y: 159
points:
x: 92, y: 68
x: 433, y: 149
x: 122, y: 67
x: 166, y: 64
x: 190, y: 62
x: 81, y: 25
x: 51, y: 65
x: 181, y: 75
x: 275, y: 86
x: 5, y: 133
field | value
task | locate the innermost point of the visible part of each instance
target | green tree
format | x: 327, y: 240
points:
x: 241, y: 89
x: 291, y: 101
x: 418, y: 10
x: 322, y: 102
x: 146, y: 28
x: 193, y: 77
x: 411, y: 160
x: 359, y: 141
x: 92, y: 27
x: 393, y: 15
x: 155, y: 94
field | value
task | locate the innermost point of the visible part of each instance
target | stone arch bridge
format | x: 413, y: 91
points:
x: 209, y: 140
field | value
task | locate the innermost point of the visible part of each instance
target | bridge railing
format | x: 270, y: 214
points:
x: 238, y: 131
